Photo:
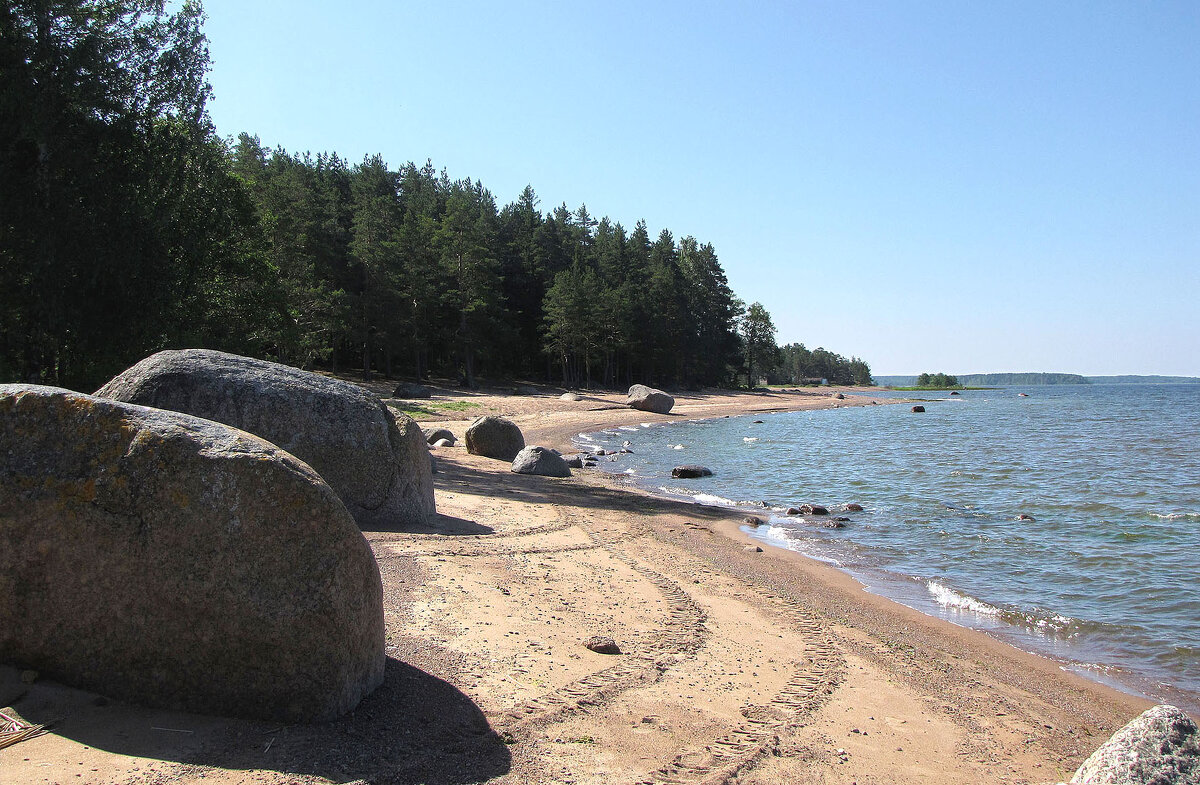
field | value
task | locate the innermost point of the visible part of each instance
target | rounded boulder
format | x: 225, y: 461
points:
x: 541, y: 461
x: 374, y: 458
x: 648, y: 399
x: 176, y: 562
x: 494, y: 437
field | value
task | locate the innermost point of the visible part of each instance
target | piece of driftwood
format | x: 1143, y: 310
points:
x: 13, y: 730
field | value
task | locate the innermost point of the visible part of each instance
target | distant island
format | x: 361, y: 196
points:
x: 1035, y: 379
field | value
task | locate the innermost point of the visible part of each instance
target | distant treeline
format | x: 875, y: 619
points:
x: 1033, y: 379
x: 1144, y: 379
x: 1019, y: 379
x: 127, y: 226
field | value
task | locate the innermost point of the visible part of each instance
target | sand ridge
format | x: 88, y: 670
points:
x: 736, y: 665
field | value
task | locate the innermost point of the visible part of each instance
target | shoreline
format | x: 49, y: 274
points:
x: 897, y: 588
x: 739, y: 664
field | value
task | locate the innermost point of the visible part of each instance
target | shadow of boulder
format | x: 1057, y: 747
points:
x: 414, y: 728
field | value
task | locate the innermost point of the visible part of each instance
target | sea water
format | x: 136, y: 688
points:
x: 1103, y: 573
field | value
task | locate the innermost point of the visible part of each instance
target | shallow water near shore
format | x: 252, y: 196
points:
x: 1106, y: 575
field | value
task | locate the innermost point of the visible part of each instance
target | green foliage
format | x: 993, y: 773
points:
x: 122, y: 227
x: 799, y: 365
x: 127, y: 226
x: 937, y: 381
x: 758, y: 341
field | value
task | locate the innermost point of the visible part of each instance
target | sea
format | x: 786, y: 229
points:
x: 1062, y: 519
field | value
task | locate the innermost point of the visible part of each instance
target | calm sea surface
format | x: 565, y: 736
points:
x: 1106, y: 578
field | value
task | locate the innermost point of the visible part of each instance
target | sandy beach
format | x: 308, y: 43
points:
x: 737, y: 664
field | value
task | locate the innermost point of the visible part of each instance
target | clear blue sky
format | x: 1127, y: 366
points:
x: 957, y: 186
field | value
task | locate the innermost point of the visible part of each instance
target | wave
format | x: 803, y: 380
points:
x: 1052, y: 623
x: 1176, y: 516
x: 712, y: 498
x: 949, y: 598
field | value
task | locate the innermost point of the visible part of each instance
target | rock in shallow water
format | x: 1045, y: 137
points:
x: 177, y: 562
x: 1161, y: 746
x: 691, y: 471
x: 375, y: 459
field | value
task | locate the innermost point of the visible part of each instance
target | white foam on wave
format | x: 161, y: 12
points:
x: 1176, y: 516
x: 645, y: 425
x: 949, y: 598
x: 677, y: 447
x: 710, y: 498
x: 630, y: 428
x: 749, y: 438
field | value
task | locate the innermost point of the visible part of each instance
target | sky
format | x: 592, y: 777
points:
x: 931, y: 186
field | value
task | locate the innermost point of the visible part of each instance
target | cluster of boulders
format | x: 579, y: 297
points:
x: 820, y: 511
x: 188, y: 537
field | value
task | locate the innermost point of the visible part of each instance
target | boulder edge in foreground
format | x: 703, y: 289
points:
x: 1161, y: 746
x: 648, y: 399
x: 179, y: 563
x: 373, y: 458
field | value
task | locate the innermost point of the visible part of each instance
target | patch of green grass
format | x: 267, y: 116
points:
x: 432, y: 409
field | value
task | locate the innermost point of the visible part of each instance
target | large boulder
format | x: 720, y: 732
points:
x: 648, y: 399
x: 173, y: 561
x: 375, y: 459
x: 494, y: 437
x: 540, y: 460
x: 1161, y: 746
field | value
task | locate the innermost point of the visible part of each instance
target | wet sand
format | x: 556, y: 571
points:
x: 737, y: 665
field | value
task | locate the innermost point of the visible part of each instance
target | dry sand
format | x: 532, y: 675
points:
x: 738, y: 666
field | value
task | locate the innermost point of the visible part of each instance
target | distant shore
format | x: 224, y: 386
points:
x: 738, y: 662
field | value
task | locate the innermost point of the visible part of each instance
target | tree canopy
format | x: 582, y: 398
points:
x: 128, y: 226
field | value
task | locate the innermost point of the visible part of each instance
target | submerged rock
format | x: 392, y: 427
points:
x: 854, y: 507
x: 690, y: 471
x: 918, y: 409
x: 648, y: 399
x: 180, y: 563
x: 813, y: 509
x: 375, y: 459
x: 1161, y: 746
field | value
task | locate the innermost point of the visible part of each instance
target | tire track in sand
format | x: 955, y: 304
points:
x: 682, y: 635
